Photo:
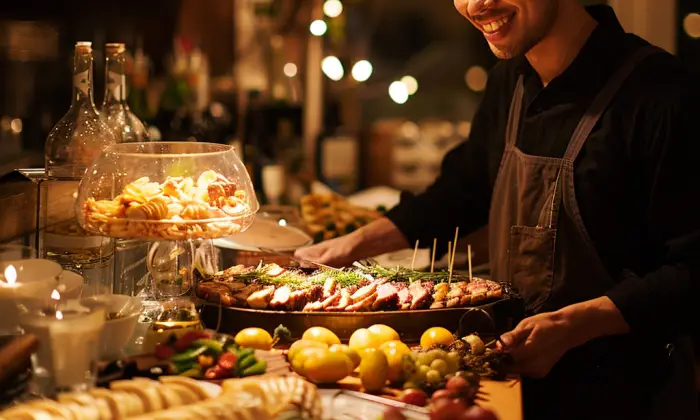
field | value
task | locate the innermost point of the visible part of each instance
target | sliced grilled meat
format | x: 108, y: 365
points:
x: 343, y: 302
x: 280, y: 300
x: 242, y: 295
x: 261, y: 299
x: 329, y: 287
x: 364, y: 305
x: 363, y: 292
x: 387, y: 298
x: 420, y: 294
x: 404, y: 298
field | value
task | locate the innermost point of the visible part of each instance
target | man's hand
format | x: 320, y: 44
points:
x: 378, y: 237
x: 538, y: 342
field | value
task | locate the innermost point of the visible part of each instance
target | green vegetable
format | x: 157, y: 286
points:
x: 245, y: 352
x: 281, y: 333
x: 192, y: 373
x: 188, y: 355
x: 318, y: 236
x: 331, y: 226
x: 257, y: 369
x: 350, y: 227
x: 185, y: 366
x: 245, y: 362
x: 215, y: 346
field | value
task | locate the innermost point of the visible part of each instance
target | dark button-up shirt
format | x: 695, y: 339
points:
x: 637, y: 178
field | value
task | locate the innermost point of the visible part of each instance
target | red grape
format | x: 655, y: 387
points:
x: 415, y: 397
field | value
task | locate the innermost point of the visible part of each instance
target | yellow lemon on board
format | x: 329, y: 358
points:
x: 322, y: 335
x: 346, y: 350
x: 395, y: 344
x: 362, y: 339
x: 327, y: 367
x: 374, y: 370
x: 298, y: 345
x: 384, y: 332
x: 303, y: 355
x: 436, y: 335
x: 255, y: 338
x: 394, y: 357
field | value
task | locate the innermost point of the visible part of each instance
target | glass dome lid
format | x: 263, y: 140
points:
x: 166, y: 191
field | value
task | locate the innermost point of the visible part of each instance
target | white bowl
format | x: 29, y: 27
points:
x: 70, y: 285
x: 117, y: 332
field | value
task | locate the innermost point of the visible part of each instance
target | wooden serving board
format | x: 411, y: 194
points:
x: 502, y: 397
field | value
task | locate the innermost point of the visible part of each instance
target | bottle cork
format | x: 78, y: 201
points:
x: 115, y: 47
x: 83, y: 47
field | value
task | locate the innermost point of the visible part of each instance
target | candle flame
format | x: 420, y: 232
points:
x: 59, y: 315
x: 10, y: 274
x: 55, y: 295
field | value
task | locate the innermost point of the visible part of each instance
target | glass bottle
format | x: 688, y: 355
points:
x: 71, y: 147
x: 115, y: 109
x: 78, y: 138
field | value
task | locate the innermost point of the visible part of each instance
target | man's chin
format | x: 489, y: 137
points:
x: 502, y: 52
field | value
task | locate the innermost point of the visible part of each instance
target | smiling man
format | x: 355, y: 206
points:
x: 581, y: 161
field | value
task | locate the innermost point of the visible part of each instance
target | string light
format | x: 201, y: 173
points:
x: 411, y: 84
x: 318, y: 27
x: 332, y: 68
x: 290, y: 69
x: 691, y: 25
x: 362, y: 71
x: 332, y: 8
x: 398, y: 92
x: 476, y: 78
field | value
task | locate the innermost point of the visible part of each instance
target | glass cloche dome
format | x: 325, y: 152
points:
x: 166, y: 191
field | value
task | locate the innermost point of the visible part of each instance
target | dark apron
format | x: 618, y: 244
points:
x: 621, y: 377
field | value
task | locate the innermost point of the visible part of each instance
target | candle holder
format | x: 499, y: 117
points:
x: 69, y: 349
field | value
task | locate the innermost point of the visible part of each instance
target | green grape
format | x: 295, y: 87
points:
x: 454, y: 362
x: 433, y: 376
x: 426, y: 358
x: 410, y: 385
x: 421, y: 373
x: 439, y: 365
x: 437, y: 354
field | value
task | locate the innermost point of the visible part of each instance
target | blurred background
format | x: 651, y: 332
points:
x: 355, y: 93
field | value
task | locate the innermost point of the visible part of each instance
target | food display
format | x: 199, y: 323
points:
x: 206, y: 355
x: 361, y: 289
x: 174, y: 397
x: 166, y: 191
x: 330, y: 215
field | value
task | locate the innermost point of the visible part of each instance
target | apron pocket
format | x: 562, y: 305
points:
x: 531, y: 263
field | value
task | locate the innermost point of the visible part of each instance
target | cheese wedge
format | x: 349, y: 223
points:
x: 148, y: 393
x: 190, y: 383
x: 186, y: 395
x: 25, y: 412
x: 56, y: 409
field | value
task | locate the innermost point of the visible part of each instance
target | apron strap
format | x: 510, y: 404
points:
x: 602, y: 100
x: 516, y: 106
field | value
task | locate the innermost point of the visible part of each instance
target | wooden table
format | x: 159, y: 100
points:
x: 502, y: 397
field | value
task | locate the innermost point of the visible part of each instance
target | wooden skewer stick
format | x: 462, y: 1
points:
x: 469, y: 260
x: 415, y: 251
x: 454, y: 251
x: 449, y: 253
x: 432, y: 260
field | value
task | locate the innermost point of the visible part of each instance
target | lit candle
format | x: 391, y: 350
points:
x: 16, y: 291
x: 69, y: 337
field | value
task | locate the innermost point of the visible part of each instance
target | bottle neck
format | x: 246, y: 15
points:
x: 115, y: 79
x: 82, y: 79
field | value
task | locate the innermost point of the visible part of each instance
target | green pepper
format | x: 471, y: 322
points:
x: 256, y: 369
x: 244, y: 363
x: 245, y: 352
x: 214, y: 346
x: 188, y: 355
x: 184, y: 366
x: 192, y: 373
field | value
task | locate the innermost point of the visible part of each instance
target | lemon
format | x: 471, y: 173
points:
x: 255, y: 338
x: 303, y: 355
x: 362, y: 339
x: 374, y: 370
x: 384, y: 332
x: 436, y: 335
x: 346, y: 350
x: 394, y: 344
x: 394, y: 357
x: 302, y: 344
x: 322, y: 335
x: 327, y: 367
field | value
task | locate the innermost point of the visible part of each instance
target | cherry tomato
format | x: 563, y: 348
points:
x: 448, y: 409
x: 217, y: 372
x: 227, y: 361
x: 458, y: 385
x: 443, y: 393
x: 164, y: 351
x: 184, y: 342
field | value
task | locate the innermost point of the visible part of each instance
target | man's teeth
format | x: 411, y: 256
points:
x: 495, y: 25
